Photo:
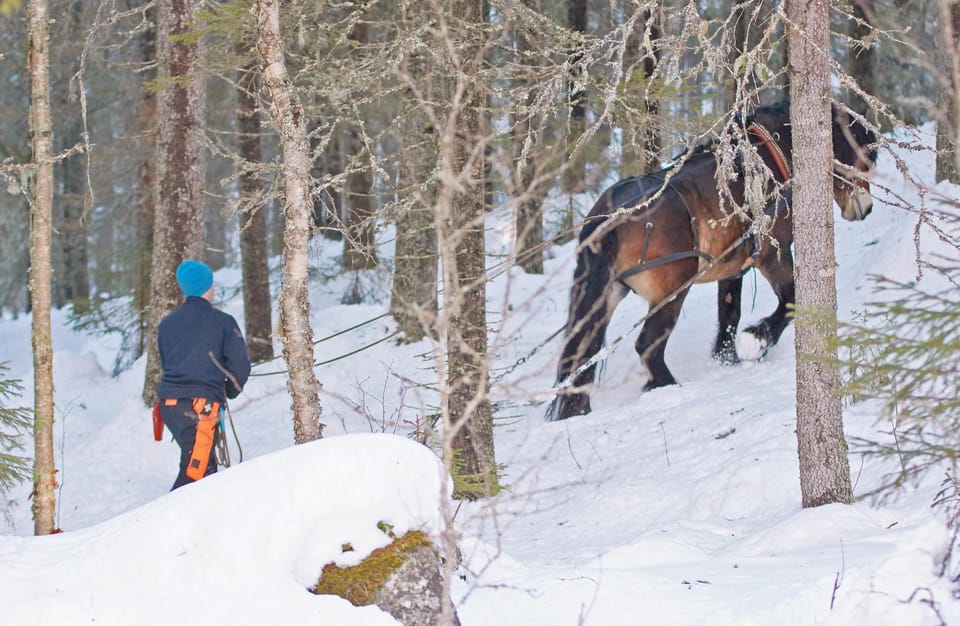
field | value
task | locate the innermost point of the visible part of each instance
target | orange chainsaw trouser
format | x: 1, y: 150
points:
x: 193, y: 422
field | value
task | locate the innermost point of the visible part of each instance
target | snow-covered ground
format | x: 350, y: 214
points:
x: 678, y: 506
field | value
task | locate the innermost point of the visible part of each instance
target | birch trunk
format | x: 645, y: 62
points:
x: 287, y: 114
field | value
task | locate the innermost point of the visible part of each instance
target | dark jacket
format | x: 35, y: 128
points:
x: 190, y: 338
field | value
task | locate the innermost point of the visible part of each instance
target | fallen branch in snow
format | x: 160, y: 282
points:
x: 836, y: 586
x: 928, y: 601
x: 666, y: 451
x: 838, y: 580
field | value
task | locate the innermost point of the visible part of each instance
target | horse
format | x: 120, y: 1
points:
x: 658, y: 234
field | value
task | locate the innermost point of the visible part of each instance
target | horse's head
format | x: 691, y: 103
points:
x: 855, y: 147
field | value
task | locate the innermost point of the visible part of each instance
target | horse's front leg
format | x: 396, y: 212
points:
x: 779, y: 273
x: 728, y: 319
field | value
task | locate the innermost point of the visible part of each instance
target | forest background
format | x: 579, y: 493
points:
x: 417, y: 116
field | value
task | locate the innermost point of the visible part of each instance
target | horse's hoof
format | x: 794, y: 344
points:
x: 727, y: 357
x: 653, y: 384
x: 753, y: 343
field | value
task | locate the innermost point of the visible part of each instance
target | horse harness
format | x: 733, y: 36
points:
x: 780, y: 161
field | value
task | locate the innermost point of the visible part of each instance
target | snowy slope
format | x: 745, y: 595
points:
x: 679, y: 506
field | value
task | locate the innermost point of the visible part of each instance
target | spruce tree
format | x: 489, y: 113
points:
x: 14, y: 422
x: 904, y: 351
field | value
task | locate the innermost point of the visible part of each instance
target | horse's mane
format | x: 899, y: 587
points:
x: 779, y: 109
x: 777, y: 115
x: 863, y: 137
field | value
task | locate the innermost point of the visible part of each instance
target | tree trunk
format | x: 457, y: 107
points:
x: 528, y: 191
x: 948, y: 122
x: 71, y: 279
x: 41, y: 235
x: 255, y: 268
x: 468, y: 414
x: 751, y: 19
x: 145, y: 193
x: 413, y: 299
x: 359, y: 245
x: 639, y: 122
x: 287, y: 114
x: 824, y: 469
x: 574, y: 175
x: 328, y: 200
x: 216, y: 238
x: 863, y: 58
x: 71, y: 225
x: 181, y: 167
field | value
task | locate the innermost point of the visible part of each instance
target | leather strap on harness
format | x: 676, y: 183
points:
x: 773, y: 148
x: 644, y: 265
x: 783, y: 168
x: 209, y: 414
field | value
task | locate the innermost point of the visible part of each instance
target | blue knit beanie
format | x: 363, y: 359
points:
x: 194, y: 278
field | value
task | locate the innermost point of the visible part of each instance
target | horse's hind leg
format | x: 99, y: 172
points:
x: 728, y: 318
x: 779, y: 273
x: 652, y: 342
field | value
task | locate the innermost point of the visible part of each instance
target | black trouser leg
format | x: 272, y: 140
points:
x: 181, y: 420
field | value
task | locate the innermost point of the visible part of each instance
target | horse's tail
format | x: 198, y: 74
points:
x: 590, y: 310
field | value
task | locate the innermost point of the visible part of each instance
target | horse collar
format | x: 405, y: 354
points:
x: 779, y: 159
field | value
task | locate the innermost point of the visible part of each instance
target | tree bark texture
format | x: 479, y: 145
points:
x: 255, y: 268
x: 359, y: 242
x: 751, y: 48
x: 863, y: 57
x: 71, y: 279
x: 413, y: 299
x: 639, y: 118
x: 528, y: 148
x: 287, y: 114
x: 328, y: 209
x: 822, y: 448
x: 41, y: 236
x: 948, y: 124
x: 178, y: 232
x: 468, y: 414
x: 145, y: 195
x: 574, y: 174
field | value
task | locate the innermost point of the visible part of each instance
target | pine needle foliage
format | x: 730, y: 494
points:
x: 904, y: 351
x: 14, y: 422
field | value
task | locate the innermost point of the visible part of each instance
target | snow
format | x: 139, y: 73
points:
x: 261, y: 531
x: 679, y: 506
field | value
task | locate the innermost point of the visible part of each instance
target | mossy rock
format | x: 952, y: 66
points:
x: 402, y: 578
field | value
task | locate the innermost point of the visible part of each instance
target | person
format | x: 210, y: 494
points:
x: 204, y: 361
